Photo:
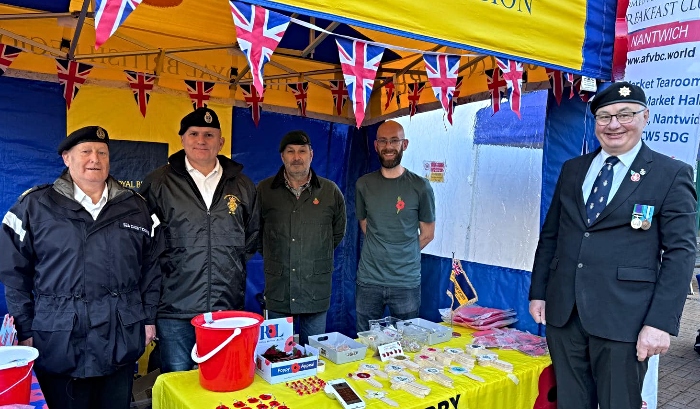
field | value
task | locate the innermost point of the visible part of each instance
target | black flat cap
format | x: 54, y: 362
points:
x: 202, y: 117
x: 619, y: 92
x: 85, y: 134
x: 297, y: 137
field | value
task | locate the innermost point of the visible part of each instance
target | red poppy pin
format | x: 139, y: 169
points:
x: 399, y: 204
x: 295, y: 368
x: 316, y: 201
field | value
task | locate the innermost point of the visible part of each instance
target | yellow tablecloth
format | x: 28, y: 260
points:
x: 181, y: 390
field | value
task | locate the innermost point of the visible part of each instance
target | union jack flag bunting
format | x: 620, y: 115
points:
x: 497, y: 87
x: 455, y: 95
x: 301, y: 94
x: 414, y: 91
x: 359, y: 61
x: 464, y: 291
x: 258, y: 32
x: 513, y: 75
x: 253, y: 101
x: 389, y: 89
x: 570, y: 80
x: 556, y: 79
x: 340, y: 95
x: 141, y: 85
x: 200, y: 92
x: 8, y: 54
x: 71, y: 75
x: 442, y: 74
x: 109, y: 15
x: 584, y: 95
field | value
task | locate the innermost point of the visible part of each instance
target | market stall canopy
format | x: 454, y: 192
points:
x: 171, y: 41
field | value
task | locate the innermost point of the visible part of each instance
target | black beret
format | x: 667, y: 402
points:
x: 202, y: 117
x: 86, y: 134
x: 297, y: 137
x: 619, y: 92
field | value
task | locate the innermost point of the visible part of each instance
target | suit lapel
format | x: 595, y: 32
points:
x: 627, y: 187
x: 580, y: 177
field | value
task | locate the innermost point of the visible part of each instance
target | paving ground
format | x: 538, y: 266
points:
x: 679, y: 369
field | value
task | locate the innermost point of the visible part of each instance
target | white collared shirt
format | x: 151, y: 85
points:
x: 621, y: 170
x: 205, y: 183
x: 93, y: 208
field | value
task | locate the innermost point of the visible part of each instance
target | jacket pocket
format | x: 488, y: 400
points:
x: 636, y: 274
x: 323, y: 270
x: 131, y: 335
x: 52, y: 337
x: 276, y: 285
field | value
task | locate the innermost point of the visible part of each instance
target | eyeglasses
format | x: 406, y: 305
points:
x: 622, y: 117
x: 393, y: 142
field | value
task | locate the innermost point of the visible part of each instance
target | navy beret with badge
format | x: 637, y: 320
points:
x: 619, y: 92
x: 297, y: 137
x: 85, y: 134
x: 202, y: 117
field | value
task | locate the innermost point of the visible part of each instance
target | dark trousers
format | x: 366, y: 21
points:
x: 592, y: 371
x: 104, y: 392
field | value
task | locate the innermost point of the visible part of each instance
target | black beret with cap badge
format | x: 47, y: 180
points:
x: 297, y: 137
x: 619, y: 92
x: 202, y: 117
x: 85, y: 134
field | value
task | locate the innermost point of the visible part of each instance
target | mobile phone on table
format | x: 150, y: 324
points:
x: 342, y: 391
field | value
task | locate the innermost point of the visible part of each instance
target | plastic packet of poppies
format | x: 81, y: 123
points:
x: 273, y: 354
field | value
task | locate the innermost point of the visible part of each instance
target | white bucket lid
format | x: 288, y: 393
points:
x: 232, y: 322
x: 18, y: 355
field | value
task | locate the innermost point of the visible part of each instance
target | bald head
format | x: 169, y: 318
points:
x: 390, y: 129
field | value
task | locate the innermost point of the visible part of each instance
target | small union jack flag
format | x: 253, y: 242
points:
x: 340, y: 95
x: 414, y: 91
x: 258, y: 32
x: 253, y: 101
x: 301, y: 94
x: 8, y: 54
x: 109, y: 15
x: 359, y: 61
x: 390, y: 89
x: 442, y: 74
x: 497, y: 87
x: 141, y: 85
x: 200, y: 92
x: 556, y: 78
x: 71, y: 75
x: 513, y: 75
x: 455, y: 95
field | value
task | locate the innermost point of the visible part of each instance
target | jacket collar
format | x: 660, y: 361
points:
x: 278, y: 181
x: 229, y: 167
x: 64, y: 186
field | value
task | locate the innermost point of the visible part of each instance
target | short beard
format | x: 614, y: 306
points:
x: 391, y: 163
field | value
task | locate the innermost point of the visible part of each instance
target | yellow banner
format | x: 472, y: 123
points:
x: 550, y: 31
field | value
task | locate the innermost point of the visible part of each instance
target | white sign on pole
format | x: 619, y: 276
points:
x: 664, y: 59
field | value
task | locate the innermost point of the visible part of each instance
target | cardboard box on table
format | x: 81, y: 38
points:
x: 356, y: 352
x: 280, y: 333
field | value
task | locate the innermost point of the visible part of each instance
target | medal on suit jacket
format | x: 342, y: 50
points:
x: 637, y: 217
x: 648, y: 212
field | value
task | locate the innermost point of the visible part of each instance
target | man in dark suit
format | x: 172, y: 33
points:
x: 614, y: 259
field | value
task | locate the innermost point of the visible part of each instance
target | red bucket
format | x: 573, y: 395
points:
x: 16, y: 363
x: 225, y: 349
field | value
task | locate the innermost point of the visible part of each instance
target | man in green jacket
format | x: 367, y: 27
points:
x: 302, y: 222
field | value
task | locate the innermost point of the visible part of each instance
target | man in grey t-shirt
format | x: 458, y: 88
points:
x: 396, y: 210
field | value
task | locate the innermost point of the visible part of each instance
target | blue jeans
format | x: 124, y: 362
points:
x: 176, y: 339
x: 305, y: 324
x: 371, y: 300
